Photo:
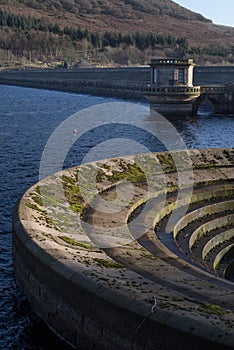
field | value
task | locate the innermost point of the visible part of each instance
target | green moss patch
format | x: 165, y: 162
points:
x: 72, y: 192
x: 167, y: 162
x: 108, y: 263
x: 37, y: 199
x: 213, y: 309
x: 128, y: 172
x: 34, y: 207
x: 74, y: 242
x: 77, y: 208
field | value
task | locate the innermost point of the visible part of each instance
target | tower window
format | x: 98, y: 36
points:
x: 155, y: 75
x: 181, y: 75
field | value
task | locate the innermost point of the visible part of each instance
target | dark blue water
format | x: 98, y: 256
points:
x: 27, y: 119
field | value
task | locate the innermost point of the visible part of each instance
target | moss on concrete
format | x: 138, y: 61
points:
x: 130, y: 172
x: 76, y: 243
x: 35, y: 207
x: 108, y: 263
x: 71, y: 189
x: 213, y: 309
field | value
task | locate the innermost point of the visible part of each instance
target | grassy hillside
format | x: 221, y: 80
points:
x: 104, y: 32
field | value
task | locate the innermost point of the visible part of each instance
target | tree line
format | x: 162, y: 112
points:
x: 98, y: 40
x: 36, y: 39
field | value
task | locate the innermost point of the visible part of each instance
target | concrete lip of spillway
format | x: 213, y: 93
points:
x: 99, y: 266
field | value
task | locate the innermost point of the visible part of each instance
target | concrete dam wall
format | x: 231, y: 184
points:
x: 102, y: 281
x: 119, y: 82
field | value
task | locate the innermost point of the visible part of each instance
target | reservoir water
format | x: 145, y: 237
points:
x: 27, y: 119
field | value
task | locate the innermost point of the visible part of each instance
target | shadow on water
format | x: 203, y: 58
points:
x: 206, y: 109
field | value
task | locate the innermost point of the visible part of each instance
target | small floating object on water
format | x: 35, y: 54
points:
x: 74, y: 131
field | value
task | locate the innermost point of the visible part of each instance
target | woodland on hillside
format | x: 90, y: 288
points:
x: 36, y: 40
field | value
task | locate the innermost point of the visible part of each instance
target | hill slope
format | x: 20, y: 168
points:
x: 201, y: 38
x: 123, y: 7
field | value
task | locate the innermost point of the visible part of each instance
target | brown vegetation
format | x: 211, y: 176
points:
x: 203, y: 40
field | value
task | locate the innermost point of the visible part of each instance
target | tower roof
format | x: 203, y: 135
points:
x: 165, y: 61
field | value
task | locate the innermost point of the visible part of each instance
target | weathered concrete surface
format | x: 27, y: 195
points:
x: 216, y: 240
x: 199, y: 213
x: 89, y: 278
